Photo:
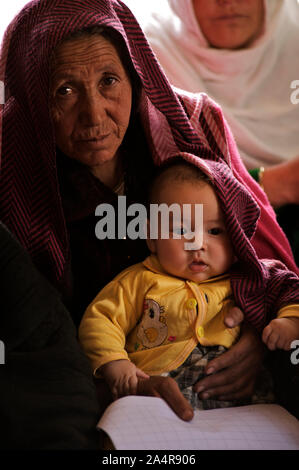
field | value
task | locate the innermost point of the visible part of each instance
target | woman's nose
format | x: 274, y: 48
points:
x: 93, y: 108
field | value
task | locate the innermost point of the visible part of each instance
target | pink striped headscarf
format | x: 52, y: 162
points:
x: 30, y: 203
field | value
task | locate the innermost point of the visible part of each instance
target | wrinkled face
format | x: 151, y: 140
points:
x: 230, y: 24
x: 91, y: 98
x: 215, y: 255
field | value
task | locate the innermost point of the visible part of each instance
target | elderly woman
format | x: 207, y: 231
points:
x: 241, y: 53
x: 88, y: 113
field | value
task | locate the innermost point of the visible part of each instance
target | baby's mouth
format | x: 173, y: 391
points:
x: 198, y: 266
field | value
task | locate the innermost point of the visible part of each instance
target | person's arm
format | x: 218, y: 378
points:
x: 281, y: 183
x: 284, y: 286
x: 281, y: 332
x: 105, y: 324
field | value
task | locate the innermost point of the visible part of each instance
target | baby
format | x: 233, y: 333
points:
x: 165, y: 316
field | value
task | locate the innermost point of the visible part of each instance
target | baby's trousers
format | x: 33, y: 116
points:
x: 192, y: 370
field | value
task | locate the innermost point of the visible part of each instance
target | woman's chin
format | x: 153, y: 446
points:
x: 94, y: 157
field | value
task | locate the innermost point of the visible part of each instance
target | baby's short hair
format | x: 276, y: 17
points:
x: 176, y: 169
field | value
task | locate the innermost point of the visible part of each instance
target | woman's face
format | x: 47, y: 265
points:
x: 91, y: 99
x: 230, y: 24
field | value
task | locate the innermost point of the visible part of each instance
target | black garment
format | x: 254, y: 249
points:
x: 48, y: 398
x: 288, y: 219
x: 285, y: 371
x: 93, y: 262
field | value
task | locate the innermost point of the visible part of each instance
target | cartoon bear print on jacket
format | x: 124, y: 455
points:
x: 152, y: 330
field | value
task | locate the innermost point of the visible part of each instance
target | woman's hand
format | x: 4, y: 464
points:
x: 232, y: 375
x: 168, y: 389
x: 155, y: 386
x: 281, y: 183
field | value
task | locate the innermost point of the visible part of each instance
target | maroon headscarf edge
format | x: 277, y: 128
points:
x: 28, y: 206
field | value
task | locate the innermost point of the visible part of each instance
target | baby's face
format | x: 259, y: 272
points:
x: 215, y: 256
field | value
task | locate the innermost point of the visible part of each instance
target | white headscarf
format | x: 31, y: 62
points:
x: 252, y: 85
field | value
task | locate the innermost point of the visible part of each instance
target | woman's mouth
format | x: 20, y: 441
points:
x: 94, y: 142
x: 98, y: 138
x: 232, y: 17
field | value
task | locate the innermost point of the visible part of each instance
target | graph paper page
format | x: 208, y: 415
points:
x: 147, y: 423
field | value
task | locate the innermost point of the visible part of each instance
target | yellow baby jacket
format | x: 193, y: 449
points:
x: 154, y: 319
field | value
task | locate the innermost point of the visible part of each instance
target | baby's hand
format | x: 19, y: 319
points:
x: 280, y: 333
x: 122, y: 377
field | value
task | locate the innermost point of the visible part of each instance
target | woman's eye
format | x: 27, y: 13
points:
x: 215, y: 231
x: 64, y: 91
x: 108, y: 81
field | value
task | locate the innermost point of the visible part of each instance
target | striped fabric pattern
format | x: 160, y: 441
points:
x: 30, y: 203
x: 29, y: 198
x: 260, y: 287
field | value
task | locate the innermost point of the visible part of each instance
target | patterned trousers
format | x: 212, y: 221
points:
x: 192, y: 370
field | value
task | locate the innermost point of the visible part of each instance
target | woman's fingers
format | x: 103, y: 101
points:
x: 167, y: 388
x: 233, y: 318
x: 235, y: 371
x: 141, y: 374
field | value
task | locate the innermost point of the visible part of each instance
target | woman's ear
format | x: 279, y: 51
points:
x: 151, y: 243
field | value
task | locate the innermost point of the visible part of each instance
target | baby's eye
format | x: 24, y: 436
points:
x: 179, y: 230
x: 215, y: 231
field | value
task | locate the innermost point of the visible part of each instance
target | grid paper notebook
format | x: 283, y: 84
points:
x: 147, y: 423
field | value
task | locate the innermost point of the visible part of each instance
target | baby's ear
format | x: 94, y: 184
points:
x: 151, y: 243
